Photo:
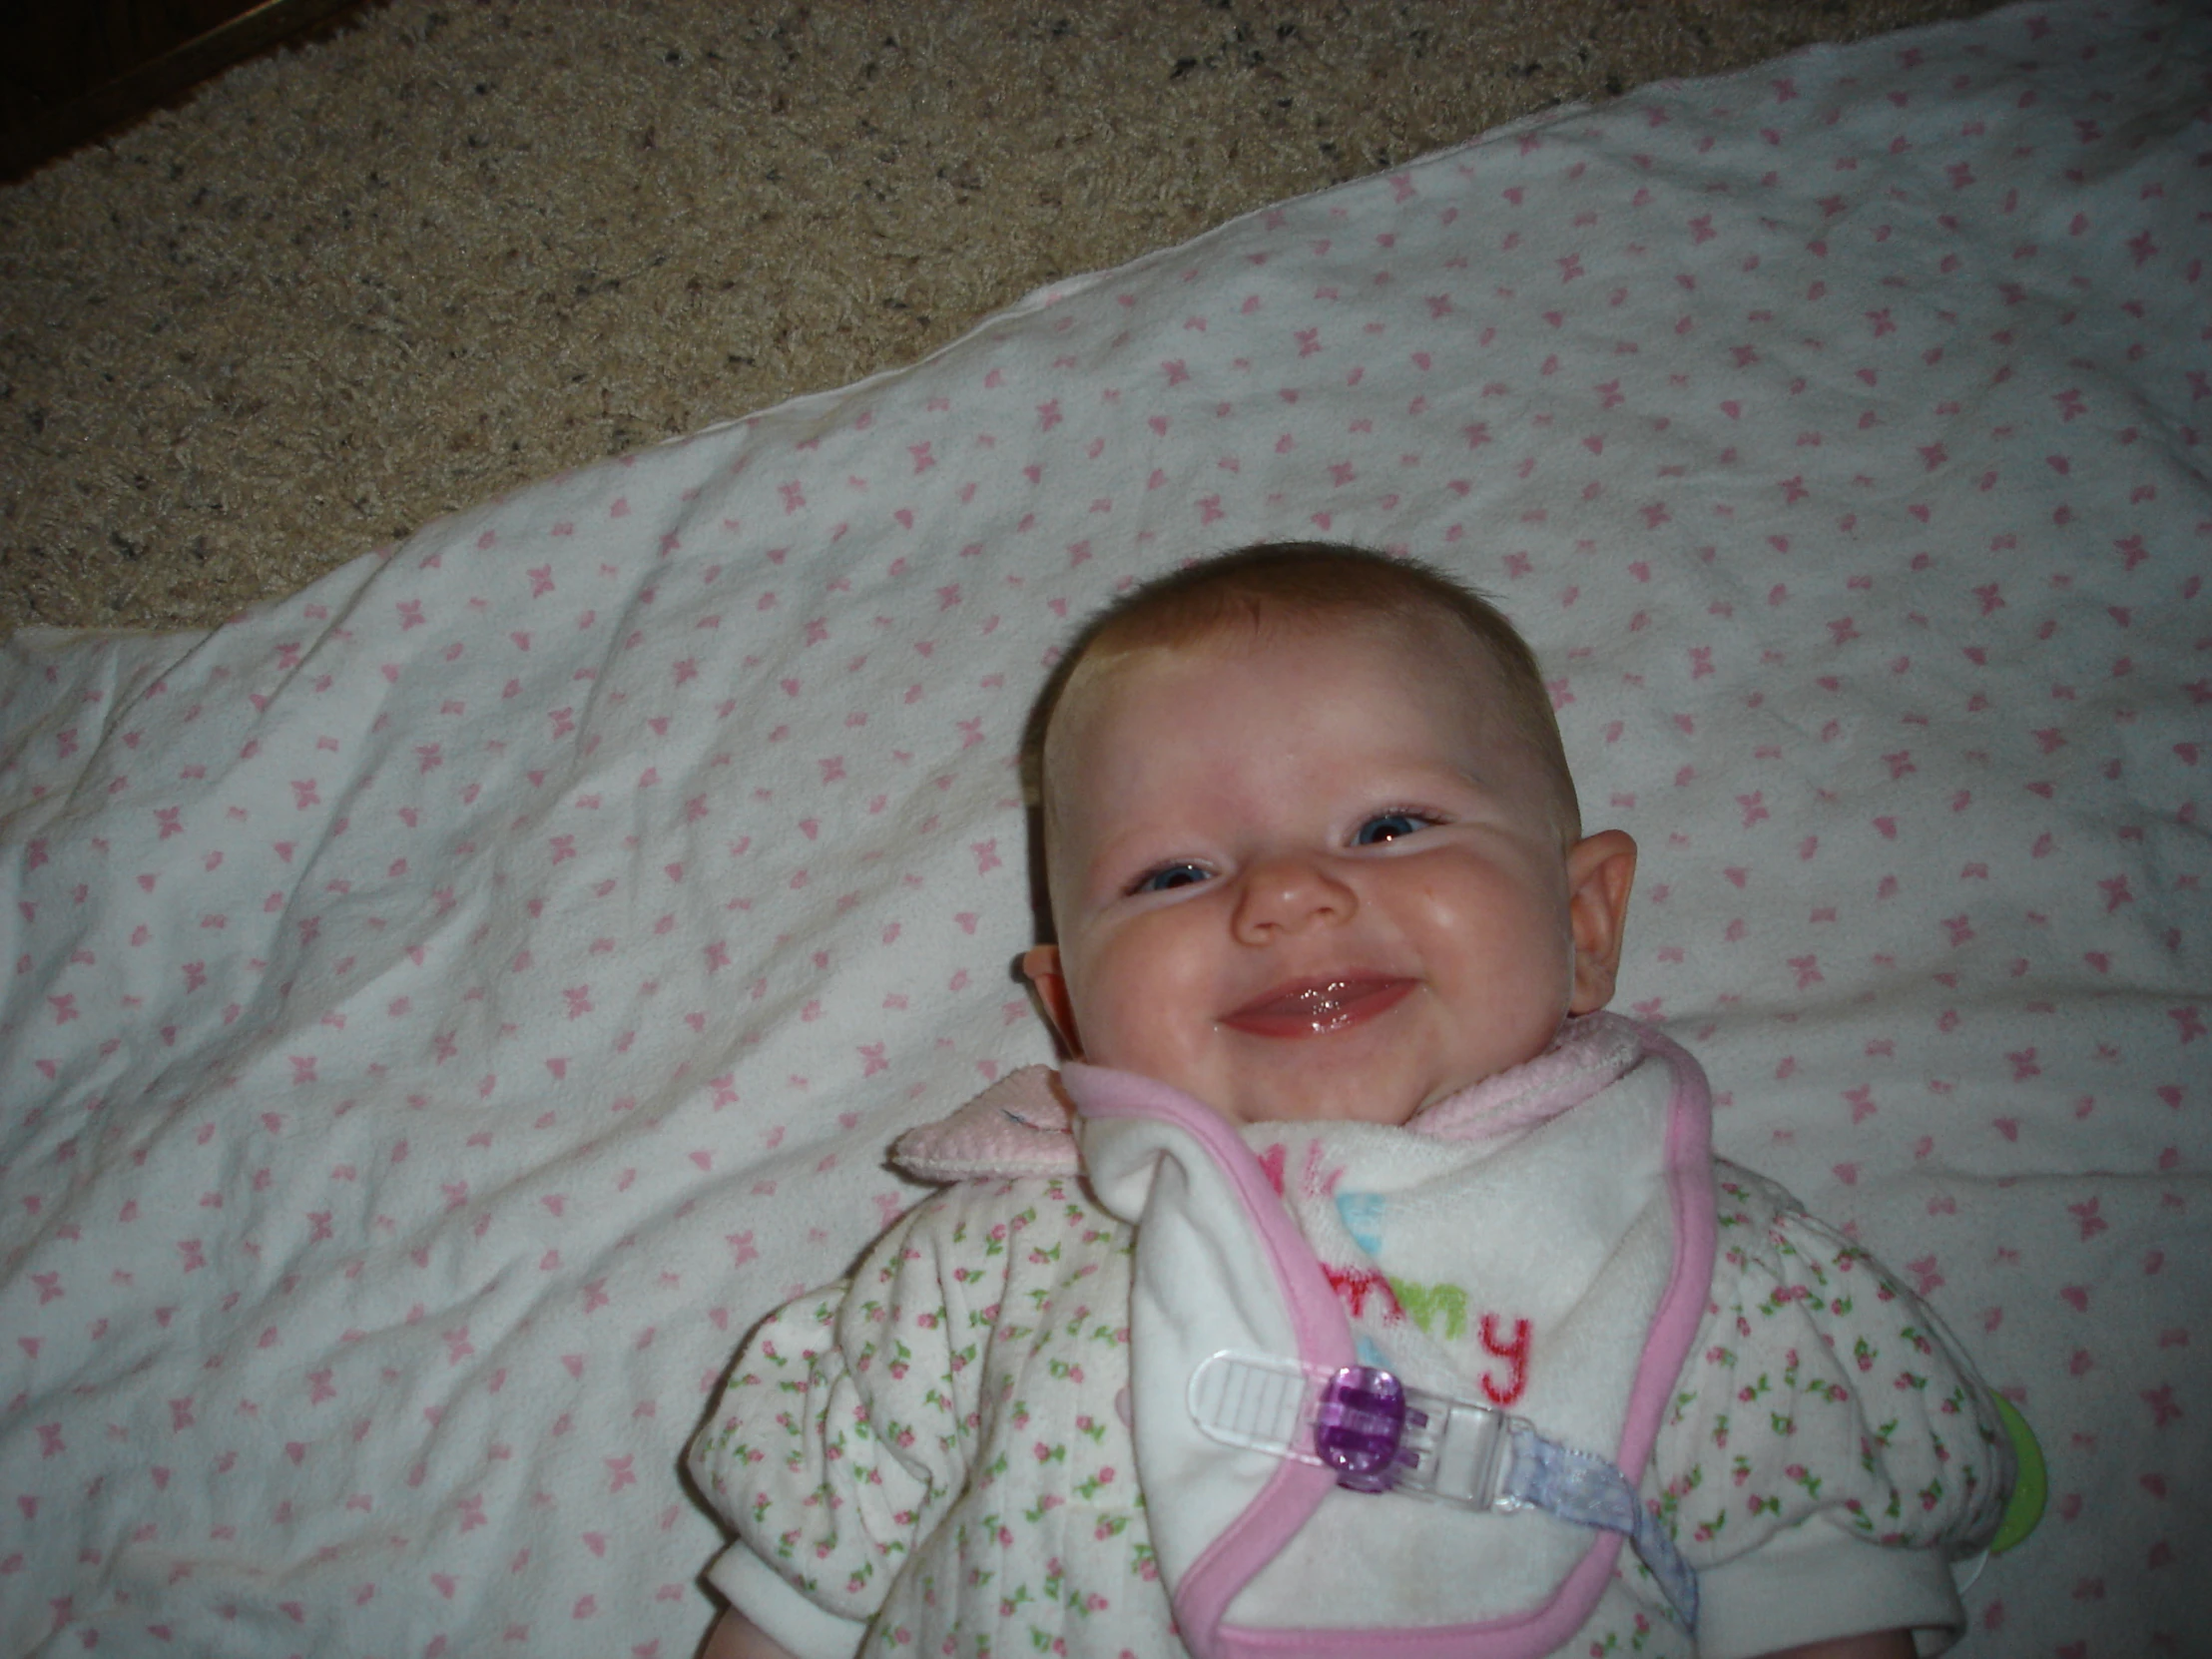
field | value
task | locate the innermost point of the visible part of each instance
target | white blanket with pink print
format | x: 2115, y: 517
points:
x: 443, y: 1009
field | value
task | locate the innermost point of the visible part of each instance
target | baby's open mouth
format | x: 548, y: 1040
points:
x: 1315, y: 1007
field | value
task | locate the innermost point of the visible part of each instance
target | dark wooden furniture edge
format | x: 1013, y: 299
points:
x: 113, y: 104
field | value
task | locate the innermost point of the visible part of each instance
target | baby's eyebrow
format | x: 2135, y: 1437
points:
x: 1449, y: 771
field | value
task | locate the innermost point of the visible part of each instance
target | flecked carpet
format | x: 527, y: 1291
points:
x: 464, y: 244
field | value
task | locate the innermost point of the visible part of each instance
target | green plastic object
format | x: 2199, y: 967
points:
x: 2029, y: 1486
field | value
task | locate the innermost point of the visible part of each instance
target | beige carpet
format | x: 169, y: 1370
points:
x: 469, y: 243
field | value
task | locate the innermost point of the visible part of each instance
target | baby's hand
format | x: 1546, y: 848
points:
x: 1874, y: 1644
x: 736, y: 1637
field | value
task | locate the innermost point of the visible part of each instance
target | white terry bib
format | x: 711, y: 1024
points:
x: 1542, y: 1243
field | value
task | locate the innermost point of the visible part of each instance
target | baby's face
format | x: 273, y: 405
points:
x: 1314, y: 875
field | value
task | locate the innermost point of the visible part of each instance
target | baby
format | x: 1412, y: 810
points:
x: 1359, y: 1286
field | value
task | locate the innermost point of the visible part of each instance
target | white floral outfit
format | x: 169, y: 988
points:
x: 936, y: 1453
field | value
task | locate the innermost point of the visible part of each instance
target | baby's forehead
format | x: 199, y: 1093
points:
x: 1501, y: 715
x: 1418, y: 647
x: 1106, y: 688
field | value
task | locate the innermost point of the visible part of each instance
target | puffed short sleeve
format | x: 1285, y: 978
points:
x: 834, y: 1443
x: 1830, y: 1450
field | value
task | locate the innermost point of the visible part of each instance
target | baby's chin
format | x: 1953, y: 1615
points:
x: 1316, y: 1096
x: 1321, y: 1104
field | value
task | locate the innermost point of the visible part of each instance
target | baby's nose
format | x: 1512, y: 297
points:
x: 1290, y: 892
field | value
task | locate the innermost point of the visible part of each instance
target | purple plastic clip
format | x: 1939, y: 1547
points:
x: 1378, y: 1435
x: 1359, y: 1426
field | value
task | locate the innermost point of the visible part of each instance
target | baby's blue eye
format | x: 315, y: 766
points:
x: 1167, y: 876
x: 1388, y: 827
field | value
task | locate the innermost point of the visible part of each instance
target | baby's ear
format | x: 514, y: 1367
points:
x: 1040, y: 964
x: 1601, y: 871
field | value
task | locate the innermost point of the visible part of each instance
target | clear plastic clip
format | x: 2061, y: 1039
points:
x: 1377, y: 1435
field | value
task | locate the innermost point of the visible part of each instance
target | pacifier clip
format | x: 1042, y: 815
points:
x: 1378, y: 1435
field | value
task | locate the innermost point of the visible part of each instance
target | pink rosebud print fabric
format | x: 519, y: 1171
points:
x: 440, y: 1011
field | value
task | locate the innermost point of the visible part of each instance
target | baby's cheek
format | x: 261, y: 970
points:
x: 1484, y: 917
x: 1113, y: 1021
